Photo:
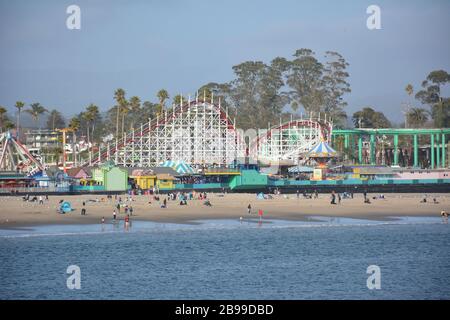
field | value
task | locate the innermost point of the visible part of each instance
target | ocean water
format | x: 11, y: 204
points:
x: 322, y: 258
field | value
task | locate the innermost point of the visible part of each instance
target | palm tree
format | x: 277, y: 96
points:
x: 9, y: 125
x: 19, y: 106
x: 162, y: 95
x: 91, y: 115
x: 74, y: 124
x: 417, y: 117
x: 135, y: 106
x: 36, y: 111
x: 119, y: 96
x: 409, y: 90
x: 3, y: 117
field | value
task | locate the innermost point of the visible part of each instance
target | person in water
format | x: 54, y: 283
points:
x: 127, y: 221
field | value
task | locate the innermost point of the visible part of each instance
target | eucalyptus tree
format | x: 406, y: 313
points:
x: 431, y: 94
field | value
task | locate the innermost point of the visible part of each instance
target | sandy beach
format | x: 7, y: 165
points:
x: 15, y: 212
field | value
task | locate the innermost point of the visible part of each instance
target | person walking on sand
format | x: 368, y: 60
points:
x: 249, y: 209
x: 333, y: 198
x: 339, y: 198
x: 114, y: 215
x: 41, y: 200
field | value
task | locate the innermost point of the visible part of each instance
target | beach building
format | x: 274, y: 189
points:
x: 44, y: 143
x: 80, y: 173
x: 111, y: 177
x: 165, y: 181
x: 13, y: 180
x: 370, y: 172
x: 147, y: 178
x: 142, y: 178
x: 403, y: 173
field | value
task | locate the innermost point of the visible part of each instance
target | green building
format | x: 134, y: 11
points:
x: 111, y: 177
x: 249, y: 179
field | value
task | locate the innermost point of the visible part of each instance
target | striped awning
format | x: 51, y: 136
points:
x: 179, y: 166
x: 300, y: 169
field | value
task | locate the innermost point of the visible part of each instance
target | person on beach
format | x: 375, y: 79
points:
x: 114, y: 215
x: 339, y: 198
x: 83, y: 211
x: 249, y: 208
x: 333, y: 197
x: 118, y: 208
x: 41, y: 200
x: 316, y: 194
x: 103, y: 220
x: 130, y: 210
x: 298, y: 194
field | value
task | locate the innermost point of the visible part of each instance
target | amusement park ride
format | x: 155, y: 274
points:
x: 202, y: 133
x: 198, y: 133
x: 16, y: 157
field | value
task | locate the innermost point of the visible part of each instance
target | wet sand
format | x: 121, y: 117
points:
x: 14, y: 212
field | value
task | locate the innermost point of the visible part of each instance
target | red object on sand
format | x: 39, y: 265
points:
x: 260, y: 212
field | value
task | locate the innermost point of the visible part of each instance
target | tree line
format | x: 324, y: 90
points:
x: 260, y: 93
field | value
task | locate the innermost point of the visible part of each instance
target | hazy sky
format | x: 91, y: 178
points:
x: 143, y: 46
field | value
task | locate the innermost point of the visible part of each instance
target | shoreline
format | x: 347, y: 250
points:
x: 16, y: 213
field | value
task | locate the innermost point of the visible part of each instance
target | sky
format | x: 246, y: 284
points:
x: 143, y: 46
